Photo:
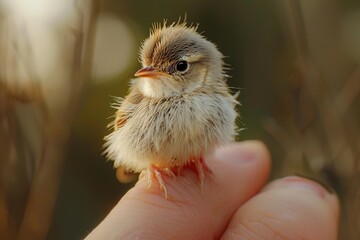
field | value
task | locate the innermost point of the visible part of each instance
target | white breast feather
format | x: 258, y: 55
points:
x: 172, y: 131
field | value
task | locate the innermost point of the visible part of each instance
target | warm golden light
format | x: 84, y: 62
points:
x: 39, y: 9
x: 114, y: 47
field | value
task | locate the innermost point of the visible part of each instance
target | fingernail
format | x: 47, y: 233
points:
x: 238, y: 152
x: 303, y: 183
x: 327, y: 187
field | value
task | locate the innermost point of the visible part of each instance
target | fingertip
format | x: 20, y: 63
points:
x: 308, y: 187
x: 292, y: 207
x: 243, y: 151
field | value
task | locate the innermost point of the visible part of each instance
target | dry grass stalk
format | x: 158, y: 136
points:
x: 321, y: 138
x: 40, y: 163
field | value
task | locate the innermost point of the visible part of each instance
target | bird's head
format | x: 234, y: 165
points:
x: 177, y: 60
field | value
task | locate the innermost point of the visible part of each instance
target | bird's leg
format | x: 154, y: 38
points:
x: 205, y: 166
x: 177, y: 169
x: 201, y: 167
x: 155, y: 172
x: 200, y: 173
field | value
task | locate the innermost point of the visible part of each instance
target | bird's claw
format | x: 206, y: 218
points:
x: 201, y: 168
x: 156, y: 172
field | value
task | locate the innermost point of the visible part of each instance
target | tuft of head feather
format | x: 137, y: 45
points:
x: 169, y: 43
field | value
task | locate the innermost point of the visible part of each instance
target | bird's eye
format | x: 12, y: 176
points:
x: 182, y: 66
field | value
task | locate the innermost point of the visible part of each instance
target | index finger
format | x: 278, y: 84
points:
x: 240, y: 169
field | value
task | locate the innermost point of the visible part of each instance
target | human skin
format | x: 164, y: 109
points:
x: 235, y: 204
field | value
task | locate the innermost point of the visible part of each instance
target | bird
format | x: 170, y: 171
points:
x: 179, y: 107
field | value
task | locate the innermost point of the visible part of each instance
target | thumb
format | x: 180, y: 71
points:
x: 292, y: 208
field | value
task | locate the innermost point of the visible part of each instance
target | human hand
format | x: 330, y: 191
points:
x: 234, y: 205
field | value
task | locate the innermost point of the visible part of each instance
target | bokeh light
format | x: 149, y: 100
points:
x: 38, y: 9
x: 114, y: 47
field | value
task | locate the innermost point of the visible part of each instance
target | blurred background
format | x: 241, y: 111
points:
x: 62, y: 61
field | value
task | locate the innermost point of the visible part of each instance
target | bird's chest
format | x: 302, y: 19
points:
x: 162, y: 123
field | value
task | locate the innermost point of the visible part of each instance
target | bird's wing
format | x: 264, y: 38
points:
x: 122, y: 115
x: 126, y: 108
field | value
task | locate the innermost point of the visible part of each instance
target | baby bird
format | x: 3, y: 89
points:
x: 179, y: 107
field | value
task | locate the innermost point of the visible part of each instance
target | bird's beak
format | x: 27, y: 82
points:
x: 149, y: 72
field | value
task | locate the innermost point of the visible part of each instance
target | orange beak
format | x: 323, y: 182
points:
x: 149, y: 72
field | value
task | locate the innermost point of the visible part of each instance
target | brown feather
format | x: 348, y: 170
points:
x: 126, y: 108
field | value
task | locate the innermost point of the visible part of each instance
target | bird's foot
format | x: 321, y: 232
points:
x: 201, y: 168
x: 156, y: 173
x: 197, y: 164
